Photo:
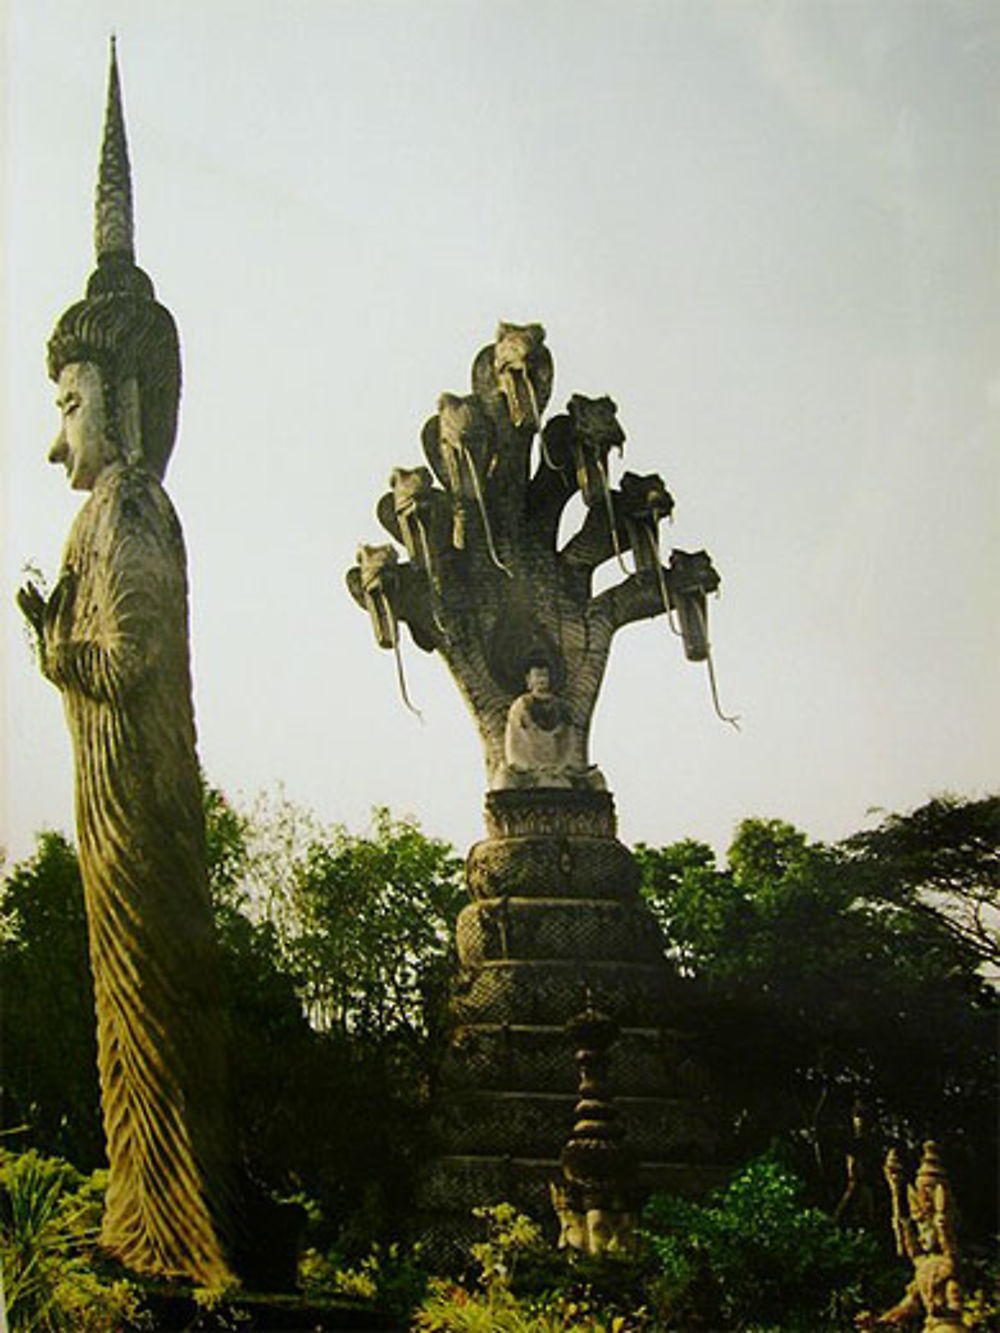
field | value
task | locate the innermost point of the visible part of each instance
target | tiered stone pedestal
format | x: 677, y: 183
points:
x: 555, y: 915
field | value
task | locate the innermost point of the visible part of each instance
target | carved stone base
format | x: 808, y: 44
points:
x: 550, y: 812
x: 551, y: 866
x: 556, y: 918
x: 451, y: 1187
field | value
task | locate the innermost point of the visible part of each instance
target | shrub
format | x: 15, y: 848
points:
x: 54, y: 1278
x: 754, y: 1253
x: 524, y: 1286
x: 390, y: 1278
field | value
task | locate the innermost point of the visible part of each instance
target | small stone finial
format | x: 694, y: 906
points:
x: 595, y: 1200
x: 931, y: 1172
x: 113, y: 218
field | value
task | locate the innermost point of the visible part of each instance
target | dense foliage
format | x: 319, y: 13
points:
x: 833, y: 973
x: 335, y: 951
x: 754, y: 1252
x: 941, y: 862
x: 752, y: 1257
x: 53, y: 1276
x: 817, y: 975
x: 519, y: 1284
x: 47, y: 1024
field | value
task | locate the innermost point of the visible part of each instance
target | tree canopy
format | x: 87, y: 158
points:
x: 335, y: 950
x: 819, y: 974
x: 853, y: 971
x: 47, y: 1025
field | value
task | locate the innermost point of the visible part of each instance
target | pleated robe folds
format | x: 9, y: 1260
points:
x: 118, y: 651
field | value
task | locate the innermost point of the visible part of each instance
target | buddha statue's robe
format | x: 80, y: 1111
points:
x: 117, y: 648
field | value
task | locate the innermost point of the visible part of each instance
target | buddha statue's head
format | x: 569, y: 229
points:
x: 115, y: 355
x: 116, y: 361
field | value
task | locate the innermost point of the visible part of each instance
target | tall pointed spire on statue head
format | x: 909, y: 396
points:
x: 114, y: 217
x: 119, y: 325
x: 114, y: 232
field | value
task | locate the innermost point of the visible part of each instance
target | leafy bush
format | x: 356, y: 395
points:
x: 981, y: 1308
x: 453, y: 1309
x: 390, y: 1278
x: 523, y: 1286
x: 753, y: 1253
x: 54, y: 1279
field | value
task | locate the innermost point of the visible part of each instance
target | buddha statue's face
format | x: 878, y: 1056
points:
x: 82, y: 445
x: 538, y: 681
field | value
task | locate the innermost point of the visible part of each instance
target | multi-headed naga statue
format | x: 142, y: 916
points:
x: 487, y: 587
x: 555, y: 912
x: 113, y: 637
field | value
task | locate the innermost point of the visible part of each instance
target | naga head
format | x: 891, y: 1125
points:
x: 518, y: 369
x: 374, y: 578
x: 374, y: 585
x: 517, y: 352
x: 643, y: 501
x: 594, y: 431
x: 645, y: 497
x: 691, y: 576
x: 465, y: 439
x: 465, y: 433
x: 414, y: 502
x: 419, y: 514
x: 410, y: 486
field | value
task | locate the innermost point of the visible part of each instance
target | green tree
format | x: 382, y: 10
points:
x: 47, y: 1024
x: 941, y: 862
x: 273, y: 1051
x: 822, y: 981
x: 752, y: 1254
x: 373, y: 921
x: 366, y: 925
x: 335, y: 952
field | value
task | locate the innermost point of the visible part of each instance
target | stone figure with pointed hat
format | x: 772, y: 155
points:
x: 923, y: 1222
x: 113, y: 637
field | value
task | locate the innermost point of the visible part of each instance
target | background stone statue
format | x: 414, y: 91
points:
x: 486, y: 585
x: 555, y: 910
x: 113, y: 637
x: 539, y: 739
x: 924, y: 1227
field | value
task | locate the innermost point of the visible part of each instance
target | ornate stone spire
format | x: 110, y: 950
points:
x: 119, y: 325
x: 117, y: 273
x: 113, y: 222
x: 595, y: 1201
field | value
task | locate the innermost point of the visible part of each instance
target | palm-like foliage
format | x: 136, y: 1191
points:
x: 53, y: 1277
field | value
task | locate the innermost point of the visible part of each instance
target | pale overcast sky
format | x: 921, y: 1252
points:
x: 767, y: 230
